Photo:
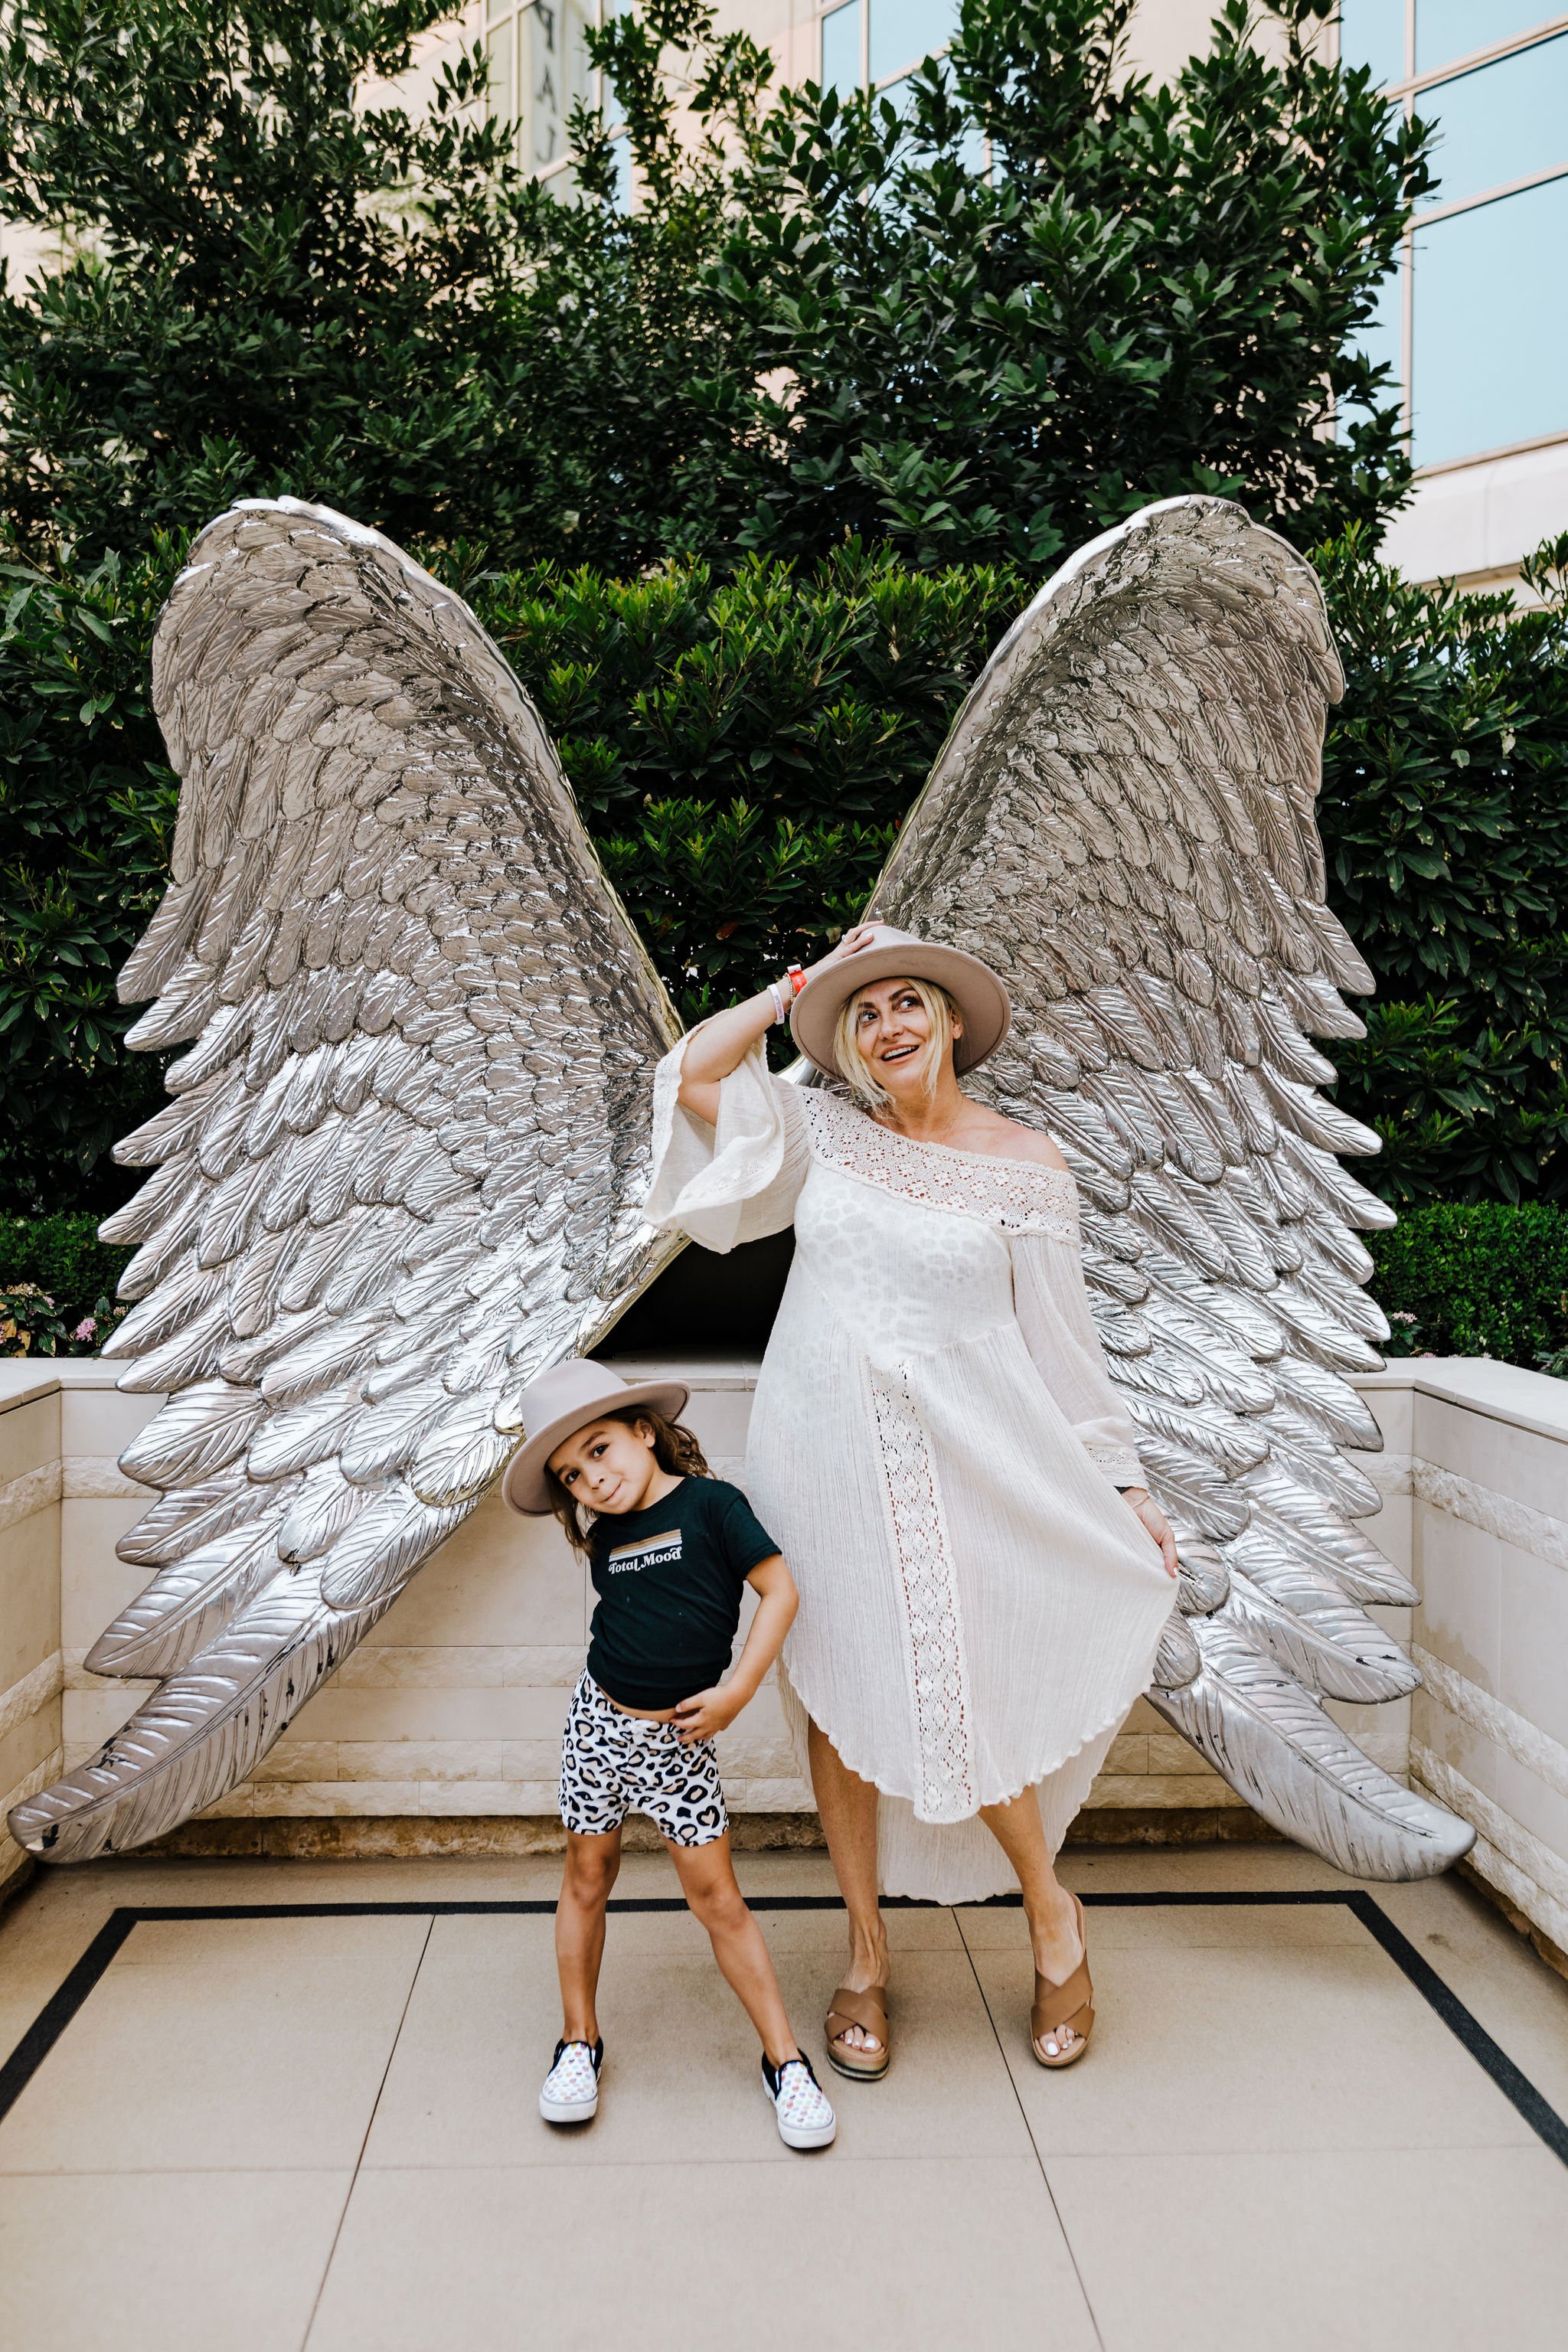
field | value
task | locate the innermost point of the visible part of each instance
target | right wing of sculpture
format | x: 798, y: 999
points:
x: 401, y: 1170
x: 1122, y: 821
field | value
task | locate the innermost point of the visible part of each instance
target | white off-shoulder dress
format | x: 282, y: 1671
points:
x: 935, y: 1443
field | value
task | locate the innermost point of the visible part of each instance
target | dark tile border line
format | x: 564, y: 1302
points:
x: 1521, y: 2092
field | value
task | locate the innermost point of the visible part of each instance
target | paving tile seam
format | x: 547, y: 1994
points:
x: 788, y: 2162
x: 96, y: 1963
x: 353, y: 2178
x: 1090, y: 2312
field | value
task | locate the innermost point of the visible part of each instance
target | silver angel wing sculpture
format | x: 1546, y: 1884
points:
x: 1122, y: 821
x: 401, y: 1170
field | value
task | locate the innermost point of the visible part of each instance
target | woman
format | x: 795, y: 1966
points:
x: 937, y: 1446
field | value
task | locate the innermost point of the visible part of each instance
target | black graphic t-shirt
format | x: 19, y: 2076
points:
x: 670, y: 1580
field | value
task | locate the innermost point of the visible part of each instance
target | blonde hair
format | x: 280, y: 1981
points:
x: 855, y: 1070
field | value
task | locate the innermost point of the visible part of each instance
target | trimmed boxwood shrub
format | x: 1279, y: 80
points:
x: 1482, y: 1278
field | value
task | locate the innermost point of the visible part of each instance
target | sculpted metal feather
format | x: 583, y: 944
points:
x: 403, y: 985
x: 1121, y: 822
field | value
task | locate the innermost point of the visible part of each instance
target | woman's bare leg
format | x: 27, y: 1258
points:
x: 1048, y: 1908
x: 847, y: 1806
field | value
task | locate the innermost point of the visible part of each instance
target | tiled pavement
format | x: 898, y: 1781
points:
x: 259, y: 2134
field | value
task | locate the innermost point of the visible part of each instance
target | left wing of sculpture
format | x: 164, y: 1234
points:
x: 401, y: 1167
x: 1122, y: 821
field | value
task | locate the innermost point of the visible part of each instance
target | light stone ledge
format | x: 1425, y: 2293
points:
x: 1163, y: 1789
x: 1524, y: 1741
x: 35, y: 1490
x: 97, y: 1477
x: 1391, y: 1474
x: 12, y: 1856
x: 78, y: 1679
x: 35, y: 1690
x: 1533, y: 1878
x: 284, y: 1799
x: 453, y: 1666
x: 1497, y: 1515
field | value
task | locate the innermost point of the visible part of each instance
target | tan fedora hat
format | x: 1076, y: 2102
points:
x: 984, y: 1004
x: 564, y: 1400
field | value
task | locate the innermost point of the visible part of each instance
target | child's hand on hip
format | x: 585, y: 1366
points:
x: 705, y: 1714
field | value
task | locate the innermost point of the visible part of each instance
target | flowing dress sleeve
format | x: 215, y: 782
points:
x: 735, y: 1181
x: 1052, y: 1306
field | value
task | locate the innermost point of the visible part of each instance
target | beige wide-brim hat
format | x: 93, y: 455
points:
x: 564, y: 1400
x: 984, y: 1004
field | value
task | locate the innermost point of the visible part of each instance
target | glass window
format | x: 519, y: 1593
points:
x: 1382, y: 338
x: 621, y: 156
x: 1491, y: 348
x: 1447, y: 29
x: 905, y: 31
x: 1371, y: 33
x: 1502, y: 122
x: 841, y: 48
x: 900, y: 95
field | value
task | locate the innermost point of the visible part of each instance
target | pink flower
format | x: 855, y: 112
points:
x: 86, y: 1329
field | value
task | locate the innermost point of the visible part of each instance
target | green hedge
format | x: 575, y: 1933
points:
x: 1484, y: 1279
x: 1489, y: 1278
x: 56, y: 1278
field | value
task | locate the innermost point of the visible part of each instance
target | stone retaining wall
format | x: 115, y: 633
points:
x: 442, y: 1730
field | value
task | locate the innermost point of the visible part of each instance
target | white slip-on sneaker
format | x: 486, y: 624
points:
x: 571, y: 2093
x: 806, y: 2119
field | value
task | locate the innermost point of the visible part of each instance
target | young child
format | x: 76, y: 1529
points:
x: 669, y: 1547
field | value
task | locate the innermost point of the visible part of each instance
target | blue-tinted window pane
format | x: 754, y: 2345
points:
x: 1371, y: 33
x: 841, y: 48
x: 900, y: 95
x: 972, y: 153
x: 905, y: 31
x: 1382, y: 340
x: 1500, y: 122
x: 1490, y: 352
x: 621, y: 154
x: 1446, y: 29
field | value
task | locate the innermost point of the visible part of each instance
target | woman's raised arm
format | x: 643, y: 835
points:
x: 722, y: 1042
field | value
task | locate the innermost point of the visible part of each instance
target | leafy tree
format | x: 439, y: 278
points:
x: 265, y: 287
x: 1446, y: 823
x: 747, y: 478
x: 985, y: 324
x: 87, y: 812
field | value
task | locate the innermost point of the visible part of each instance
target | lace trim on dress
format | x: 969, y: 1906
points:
x: 1016, y: 1195
x: 928, y: 1596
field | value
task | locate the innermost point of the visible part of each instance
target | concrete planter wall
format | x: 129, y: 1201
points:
x: 443, y: 1729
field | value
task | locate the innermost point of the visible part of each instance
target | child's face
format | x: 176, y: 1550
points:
x: 609, y: 1466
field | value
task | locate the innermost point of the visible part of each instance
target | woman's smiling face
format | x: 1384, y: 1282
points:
x: 893, y: 1030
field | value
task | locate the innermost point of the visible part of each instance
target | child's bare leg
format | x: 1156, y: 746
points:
x: 706, y: 1878
x: 592, y: 1865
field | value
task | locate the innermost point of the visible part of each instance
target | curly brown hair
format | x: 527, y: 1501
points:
x: 675, y: 1449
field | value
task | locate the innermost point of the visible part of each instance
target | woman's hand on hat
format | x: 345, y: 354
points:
x: 860, y: 935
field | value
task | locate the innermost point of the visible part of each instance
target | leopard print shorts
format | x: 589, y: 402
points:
x: 614, y: 1764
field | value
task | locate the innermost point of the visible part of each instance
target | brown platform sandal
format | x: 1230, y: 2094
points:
x: 1068, y: 2004
x: 869, y: 2010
